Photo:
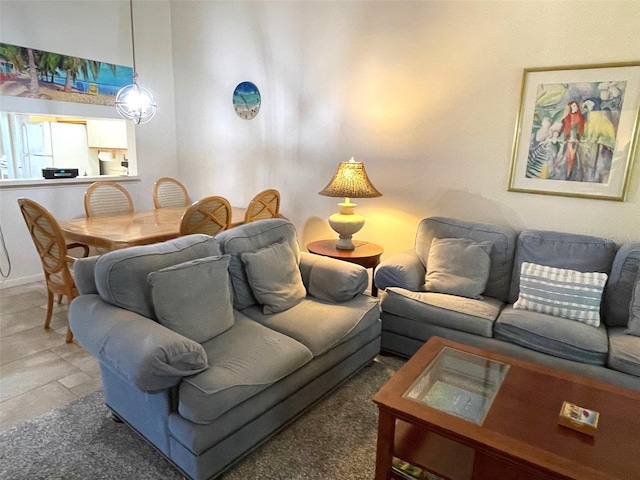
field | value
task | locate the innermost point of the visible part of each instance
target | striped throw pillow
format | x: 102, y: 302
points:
x: 561, y: 292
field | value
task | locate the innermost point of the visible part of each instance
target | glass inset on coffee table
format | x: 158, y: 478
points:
x: 460, y: 384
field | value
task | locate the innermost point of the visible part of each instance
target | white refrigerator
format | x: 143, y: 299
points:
x: 71, y: 148
x: 34, y: 147
x: 42, y: 144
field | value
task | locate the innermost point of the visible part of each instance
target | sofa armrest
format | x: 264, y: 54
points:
x: 403, y: 270
x: 330, y: 279
x: 149, y: 355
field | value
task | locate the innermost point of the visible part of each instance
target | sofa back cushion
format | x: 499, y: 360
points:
x: 249, y: 238
x: 503, y: 240
x: 121, y: 275
x: 194, y: 298
x: 634, y: 310
x: 466, y: 276
x: 561, y: 250
x: 274, y: 276
x: 619, y: 289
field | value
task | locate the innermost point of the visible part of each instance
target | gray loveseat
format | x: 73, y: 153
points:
x: 411, y: 314
x: 192, y: 356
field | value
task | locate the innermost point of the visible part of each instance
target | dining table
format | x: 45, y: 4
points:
x: 131, y: 229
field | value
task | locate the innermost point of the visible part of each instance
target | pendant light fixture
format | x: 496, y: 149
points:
x: 134, y: 102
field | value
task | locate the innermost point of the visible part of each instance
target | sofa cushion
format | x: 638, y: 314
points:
x: 194, y: 298
x: 561, y: 292
x: 458, y: 313
x: 622, y: 279
x: 553, y: 335
x: 634, y: 310
x: 503, y: 241
x: 251, y: 237
x: 318, y: 325
x: 243, y: 361
x: 624, y: 351
x: 561, y: 250
x: 274, y: 276
x: 458, y: 266
x: 121, y: 275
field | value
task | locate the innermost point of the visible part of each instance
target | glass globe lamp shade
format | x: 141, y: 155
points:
x: 136, y: 103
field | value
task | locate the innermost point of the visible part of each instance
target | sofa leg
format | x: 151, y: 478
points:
x: 116, y: 418
x: 386, y: 353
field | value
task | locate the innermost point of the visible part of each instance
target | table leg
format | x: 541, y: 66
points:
x: 384, y: 452
x: 374, y: 289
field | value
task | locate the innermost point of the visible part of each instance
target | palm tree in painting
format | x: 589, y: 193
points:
x: 49, y: 63
x: 112, y: 67
x: 14, y: 55
x: 22, y: 58
x: 34, y: 86
x: 75, y: 66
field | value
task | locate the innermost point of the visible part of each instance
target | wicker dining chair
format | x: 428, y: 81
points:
x: 169, y: 192
x: 265, y: 204
x: 52, y: 249
x: 210, y: 215
x: 107, y: 198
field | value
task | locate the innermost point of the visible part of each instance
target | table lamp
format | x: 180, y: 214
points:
x: 349, y: 181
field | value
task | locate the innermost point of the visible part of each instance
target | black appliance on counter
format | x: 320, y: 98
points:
x: 51, y: 173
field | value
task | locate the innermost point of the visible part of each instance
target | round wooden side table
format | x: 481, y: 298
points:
x: 366, y: 254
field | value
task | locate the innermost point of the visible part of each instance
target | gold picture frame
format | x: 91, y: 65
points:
x: 577, y: 131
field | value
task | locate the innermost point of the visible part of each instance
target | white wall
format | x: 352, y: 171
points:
x: 98, y: 30
x: 426, y: 94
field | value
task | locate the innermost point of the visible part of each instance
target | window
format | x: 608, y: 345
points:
x: 94, y: 146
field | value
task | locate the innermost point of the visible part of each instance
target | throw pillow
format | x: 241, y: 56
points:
x: 194, y: 298
x: 634, y: 310
x: 274, y: 277
x: 458, y: 266
x: 561, y: 292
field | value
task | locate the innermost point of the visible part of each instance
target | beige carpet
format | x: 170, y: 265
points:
x: 335, y: 440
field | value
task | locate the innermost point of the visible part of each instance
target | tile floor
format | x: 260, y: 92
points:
x: 38, y: 370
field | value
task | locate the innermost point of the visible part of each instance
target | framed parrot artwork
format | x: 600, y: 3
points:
x: 577, y: 131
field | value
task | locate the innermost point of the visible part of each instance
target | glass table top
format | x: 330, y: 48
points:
x: 460, y: 384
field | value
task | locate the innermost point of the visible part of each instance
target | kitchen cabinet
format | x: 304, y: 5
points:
x: 108, y: 134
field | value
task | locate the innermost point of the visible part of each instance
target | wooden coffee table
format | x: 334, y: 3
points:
x: 516, y: 434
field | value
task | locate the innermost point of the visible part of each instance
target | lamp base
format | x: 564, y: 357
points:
x: 345, y: 244
x: 346, y: 225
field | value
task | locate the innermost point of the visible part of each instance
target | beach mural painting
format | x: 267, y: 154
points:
x: 246, y: 100
x: 30, y: 73
x: 576, y: 132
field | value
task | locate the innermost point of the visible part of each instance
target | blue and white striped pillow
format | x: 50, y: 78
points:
x: 561, y: 292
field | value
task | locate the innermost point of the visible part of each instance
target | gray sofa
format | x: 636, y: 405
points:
x: 411, y: 315
x: 209, y: 345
